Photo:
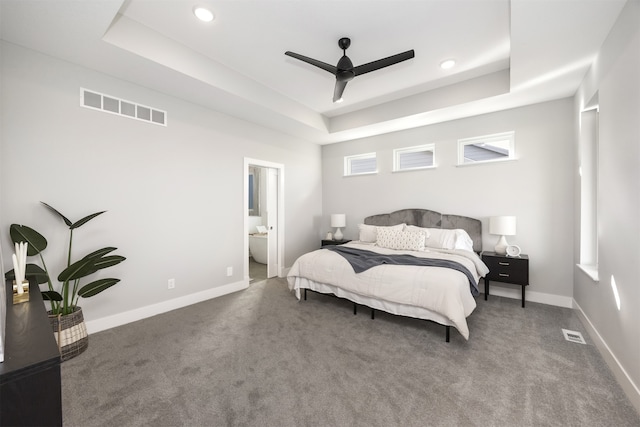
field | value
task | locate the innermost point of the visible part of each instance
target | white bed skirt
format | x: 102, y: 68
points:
x: 389, y: 307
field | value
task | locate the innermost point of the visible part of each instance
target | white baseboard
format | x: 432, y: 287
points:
x: 515, y: 292
x: 627, y: 384
x: 120, y: 319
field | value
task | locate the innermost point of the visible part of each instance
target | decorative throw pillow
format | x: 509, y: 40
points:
x: 416, y: 228
x: 400, y: 239
x: 369, y: 233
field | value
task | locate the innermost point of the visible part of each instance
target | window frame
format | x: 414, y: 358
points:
x: 417, y: 148
x: 589, y: 158
x: 510, y: 136
x: 349, y: 159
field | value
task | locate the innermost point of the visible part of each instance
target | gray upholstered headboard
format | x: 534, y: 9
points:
x: 431, y: 219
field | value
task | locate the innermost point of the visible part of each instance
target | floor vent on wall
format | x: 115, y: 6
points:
x: 113, y: 105
x: 573, y: 336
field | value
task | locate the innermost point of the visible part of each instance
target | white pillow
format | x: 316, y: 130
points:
x: 369, y: 233
x: 463, y: 240
x: 449, y: 239
x: 400, y: 239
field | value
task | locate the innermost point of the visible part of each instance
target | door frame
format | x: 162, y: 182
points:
x: 280, y: 213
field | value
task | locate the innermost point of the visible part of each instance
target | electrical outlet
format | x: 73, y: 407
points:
x: 172, y: 283
x: 229, y: 271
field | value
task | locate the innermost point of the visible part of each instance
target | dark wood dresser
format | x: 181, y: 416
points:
x: 30, y: 387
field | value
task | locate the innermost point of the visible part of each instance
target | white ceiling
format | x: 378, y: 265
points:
x: 508, y: 53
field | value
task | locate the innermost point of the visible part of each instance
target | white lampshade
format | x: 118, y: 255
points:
x: 338, y: 220
x: 502, y: 226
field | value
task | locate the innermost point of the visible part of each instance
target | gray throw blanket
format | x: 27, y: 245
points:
x: 362, y: 260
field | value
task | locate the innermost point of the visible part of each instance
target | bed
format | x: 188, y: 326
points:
x: 412, y: 262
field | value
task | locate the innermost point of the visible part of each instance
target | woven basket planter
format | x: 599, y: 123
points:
x: 70, y: 332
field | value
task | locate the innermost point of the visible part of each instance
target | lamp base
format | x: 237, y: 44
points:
x: 501, y: 246
x: 338, y: 234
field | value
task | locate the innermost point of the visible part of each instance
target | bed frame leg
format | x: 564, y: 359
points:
x: 373, y: 314
x: 305, y: 294
x: 355, y: 308
x: 448, y: 328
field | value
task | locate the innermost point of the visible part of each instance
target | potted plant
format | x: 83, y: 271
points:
x: 65, y: 314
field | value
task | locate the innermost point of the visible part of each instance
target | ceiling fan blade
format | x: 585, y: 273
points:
x: 339, y: 89
x: 381, y: 63
x: 327, y: 67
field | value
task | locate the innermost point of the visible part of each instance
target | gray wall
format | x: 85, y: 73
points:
x: 537, y: 187
x: 174, y: 194
x: 615, y: 77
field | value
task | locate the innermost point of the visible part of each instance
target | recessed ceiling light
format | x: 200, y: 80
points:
x: 203, y: 13
x: 449, y: 63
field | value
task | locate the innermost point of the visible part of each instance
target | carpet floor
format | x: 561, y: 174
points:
x: 261, y: 358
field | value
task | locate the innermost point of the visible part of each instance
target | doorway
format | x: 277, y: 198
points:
x: 263, y: 219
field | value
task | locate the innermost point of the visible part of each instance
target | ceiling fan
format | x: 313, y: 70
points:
x: 345, y: 71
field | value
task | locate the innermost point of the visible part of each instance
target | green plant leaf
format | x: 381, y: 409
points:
x: 36, y: 273
x: 51, y: 296
x: 33, y: 273
x: 64, y: 218
x: 22, y: 233
x: 100, y: 252
x: 105, y: 262
x: 87, y: 266
x: 77, y: 270
x: 93, y: 288
x: 85, y: 220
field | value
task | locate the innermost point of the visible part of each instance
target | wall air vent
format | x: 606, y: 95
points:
x: 113, y: 105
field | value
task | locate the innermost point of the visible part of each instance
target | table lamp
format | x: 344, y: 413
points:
x: 502, y: 226
x: 338, y: 221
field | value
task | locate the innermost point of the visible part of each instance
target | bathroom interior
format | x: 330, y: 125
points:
x: 258, y: 235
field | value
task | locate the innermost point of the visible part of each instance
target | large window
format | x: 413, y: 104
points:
x: 360, y: 164
x: 414, y: 158
x: 589, y: 192
x: 489, y: 148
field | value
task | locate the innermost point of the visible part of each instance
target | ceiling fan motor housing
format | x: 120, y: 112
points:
x: 345, y: 69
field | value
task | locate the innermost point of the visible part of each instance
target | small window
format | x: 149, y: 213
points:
x: 414, y: 158
x: 360, y: 164
x: 489, y: 148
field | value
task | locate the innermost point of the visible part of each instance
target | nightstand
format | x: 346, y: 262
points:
x: 514, y: 270
x: 334, y: 242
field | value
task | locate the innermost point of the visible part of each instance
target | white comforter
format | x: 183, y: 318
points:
x: 441, y: 290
